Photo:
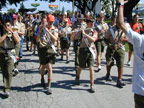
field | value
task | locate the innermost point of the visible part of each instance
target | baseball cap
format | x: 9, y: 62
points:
x: 50, y: 18
x: 14, y: 16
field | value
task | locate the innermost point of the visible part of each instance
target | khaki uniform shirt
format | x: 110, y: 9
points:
x: 15, y: 27
x: 30, y: 31
x: 8, y: 43
x: 90, y: 33
x: 21, y: 27
x: 65, y: 29
x: 112, y: 40
x: 103, y: 27
x: 43, y: 39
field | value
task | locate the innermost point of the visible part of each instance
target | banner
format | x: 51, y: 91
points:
x: 53, y: 7
x: 35, y: 4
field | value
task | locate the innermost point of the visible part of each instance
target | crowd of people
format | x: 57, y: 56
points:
x: 89, y: 36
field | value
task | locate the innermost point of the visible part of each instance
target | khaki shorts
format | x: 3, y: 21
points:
x: 85, y: 58
x: 100, y: 45
x: 29, y: 38
x: 139, y: 101
x: 118, y: 56
x: 64, y: 43
x: 45, y: 56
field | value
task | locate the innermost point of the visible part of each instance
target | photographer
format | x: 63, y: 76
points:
x: 47, y: 35
x: 115, y: 39
x: 137, y: 40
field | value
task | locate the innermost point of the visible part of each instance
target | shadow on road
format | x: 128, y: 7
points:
x: 64, y: 70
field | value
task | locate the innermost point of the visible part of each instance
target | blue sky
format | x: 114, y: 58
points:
x: 44, y: 5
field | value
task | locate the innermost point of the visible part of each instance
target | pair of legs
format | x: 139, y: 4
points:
x: 21, y: 47
x: 119, y: 56
x: 29, y: 39
x: 58, y: 46
x: 67, y: 54
x: 100, y: 45
x: 6, y: 64
x: 49, y: 68
x: 99, y: 55
x: 91, y: 73
x: 120, y: 71
x: 130, y: 53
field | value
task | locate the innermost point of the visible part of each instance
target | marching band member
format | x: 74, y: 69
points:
x: 47, y: 35
x: 65, y: 39
x: 80, y: 23
x: 100, y: 44
x: 30, y: 32
x: 115, y: 39
x: 86, y: 53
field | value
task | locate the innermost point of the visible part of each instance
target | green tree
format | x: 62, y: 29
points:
x: 11, y: 10
x: 57, y: 12
x: 3, y: 3
x: 63, y: 10
x: 69, y: 12
x: 128, y: 9
x: 22, y: 6
x: 108, y: 6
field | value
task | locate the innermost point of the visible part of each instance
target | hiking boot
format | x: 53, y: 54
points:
x: 120, y: 84
x: 92, y: 90
x: 49, y: 91
x: 61, y: 57
x: 30, y: 50
x: 99, y: 67
x: 6, y: 94
x: 77, y: 82
x: 129, y: 63
x: 43, y: 82
x: 57, y: 54
x: 108, y: 77
x: 27, y: 48
x: 15, y: 72
x: 67, y: 61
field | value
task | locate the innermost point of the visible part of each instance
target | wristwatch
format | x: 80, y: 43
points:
x: 121, y: 4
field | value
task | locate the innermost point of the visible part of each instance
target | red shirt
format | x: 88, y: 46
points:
x: 135, y: 27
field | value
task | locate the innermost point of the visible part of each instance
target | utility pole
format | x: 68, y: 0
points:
x: 73, y: 7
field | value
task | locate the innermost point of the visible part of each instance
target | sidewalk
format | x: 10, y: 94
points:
x: 27, y: 91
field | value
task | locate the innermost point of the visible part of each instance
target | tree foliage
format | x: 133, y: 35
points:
x: 3, y: 3
x: 108, y: 6
x: 128, y: 9
x: 11, y: 10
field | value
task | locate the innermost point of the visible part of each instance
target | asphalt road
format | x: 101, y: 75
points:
x: 27, y: 91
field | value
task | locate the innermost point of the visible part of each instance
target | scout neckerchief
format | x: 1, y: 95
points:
x: 49, y: 40
x: 112, y: 32
x: 114, y: 36
x: 89, y: 47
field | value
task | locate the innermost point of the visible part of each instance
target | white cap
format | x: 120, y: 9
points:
x: 65, y: 13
